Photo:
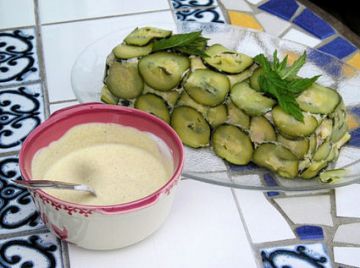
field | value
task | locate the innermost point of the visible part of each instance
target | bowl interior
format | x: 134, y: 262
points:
x: 60, y: 122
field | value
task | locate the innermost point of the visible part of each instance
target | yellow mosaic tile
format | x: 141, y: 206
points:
x: 244, y: 20
x: 352, y: 121
x: 355, y: 60
x: 292, y: 57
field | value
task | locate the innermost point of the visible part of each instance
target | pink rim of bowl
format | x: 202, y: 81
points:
x: 61, y: 121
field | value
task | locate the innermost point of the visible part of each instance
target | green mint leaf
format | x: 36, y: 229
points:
x: 263, y: 62
x: 283, y: 65
x: 190, y: 43
x: 299, y: 85
x: 289, y: 105
x: 292, y: 71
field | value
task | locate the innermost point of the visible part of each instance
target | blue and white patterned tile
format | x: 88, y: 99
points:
x: 17, y: 209
x: 18, y: 57
x: 304, y: 256
x: 21, y: 109
x: 183, y: 4
x: 213, y: 14
x: 40, y: 251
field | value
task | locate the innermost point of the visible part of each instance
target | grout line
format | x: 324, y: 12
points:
x: 17, y: 28
x: 40, y: 230
x: 62, y: 101
x: 17, y: 85
x: 10, y: 153
x: 104, y: 17
x: 65, y: 254
x: 255, y: 250
x: 41, y: 59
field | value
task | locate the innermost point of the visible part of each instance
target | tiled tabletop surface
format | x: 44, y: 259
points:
x: 210, y: 226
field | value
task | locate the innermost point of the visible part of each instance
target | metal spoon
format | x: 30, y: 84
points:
x: 37, y: 184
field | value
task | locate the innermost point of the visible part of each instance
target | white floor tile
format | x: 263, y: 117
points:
x: 238, y: 5
x: 203, y: 231
x: 64, y: 42
x: 307, y: 209
x: 346, y: 233
x: 57, y: 106
x: 263, y: 221
x: 302, y: 38
x: 16, y: 13
x: 272, y: 25
x: 67, y: 10
x: 347, y: 201
x: 347, y: 255
x: 254, y: 2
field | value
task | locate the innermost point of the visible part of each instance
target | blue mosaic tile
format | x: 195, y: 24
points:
x: 355, y: 133
x: 339, y: 47
x: 314, y: 24
x: 269, y: 180
x: 17, y: 209
x: 309, y: 232
x: 238, y: 168
x: 21, y: 110
x: 272, y: 193
x: 18, y: 57
x: 304, y: 256
x: 40, y: 250
x: 213, y: 14
x: 282, y: 8
x: 328, y: 64
x: 193, y: 3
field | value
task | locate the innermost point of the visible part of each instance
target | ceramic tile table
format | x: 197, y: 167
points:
x: 209, y: 226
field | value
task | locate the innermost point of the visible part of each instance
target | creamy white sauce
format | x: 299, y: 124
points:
x: 121, y: 163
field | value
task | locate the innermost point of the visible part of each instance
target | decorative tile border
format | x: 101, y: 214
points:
x: 38, y: 250
x: 213, y: 14
x: 21, y: 109
x: 17, y: 210
x: 18, y: 57
x: 186, y: 4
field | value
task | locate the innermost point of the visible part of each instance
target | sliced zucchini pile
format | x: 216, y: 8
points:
x: 214, y: 99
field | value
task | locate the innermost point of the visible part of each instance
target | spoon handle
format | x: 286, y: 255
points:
x: 36, y: 184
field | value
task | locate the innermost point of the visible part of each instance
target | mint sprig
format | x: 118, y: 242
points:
x: 189, y: 43
x: 281, y: 81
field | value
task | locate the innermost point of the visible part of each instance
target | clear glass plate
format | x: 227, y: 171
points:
x: 202, y: 164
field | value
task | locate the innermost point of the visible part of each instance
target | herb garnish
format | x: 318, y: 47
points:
x: 189, y: 43
x: 281, y: 82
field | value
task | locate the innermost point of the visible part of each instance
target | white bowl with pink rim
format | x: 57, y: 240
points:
x: 103, y: 227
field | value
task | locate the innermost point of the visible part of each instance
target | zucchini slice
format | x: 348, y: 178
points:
x: 191, y: 127
x: 142, y: 36
x: 170, y: 96
x: 318, y: 99
x: 237, y: 78
x: 298, y: 147
x: 261, y: 130
x: 237, y: 117
x: 312, y: 144
x: 124, y: 51
x: 324, y: 130
x: 289, y: 126
x: 225, y: 60
x: 207, y: 87
x: 163, y: 70
x: 107, y: 97
x: 196, y: 63
x: 232, y: 144
x: 276, y: 158
x: 124, y: 80
x: 154, y: 105
x: 250, y: 101
x: 254, y: 79
x: 216, y: 115
x: 186, y: 100
x: 313, y: 169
